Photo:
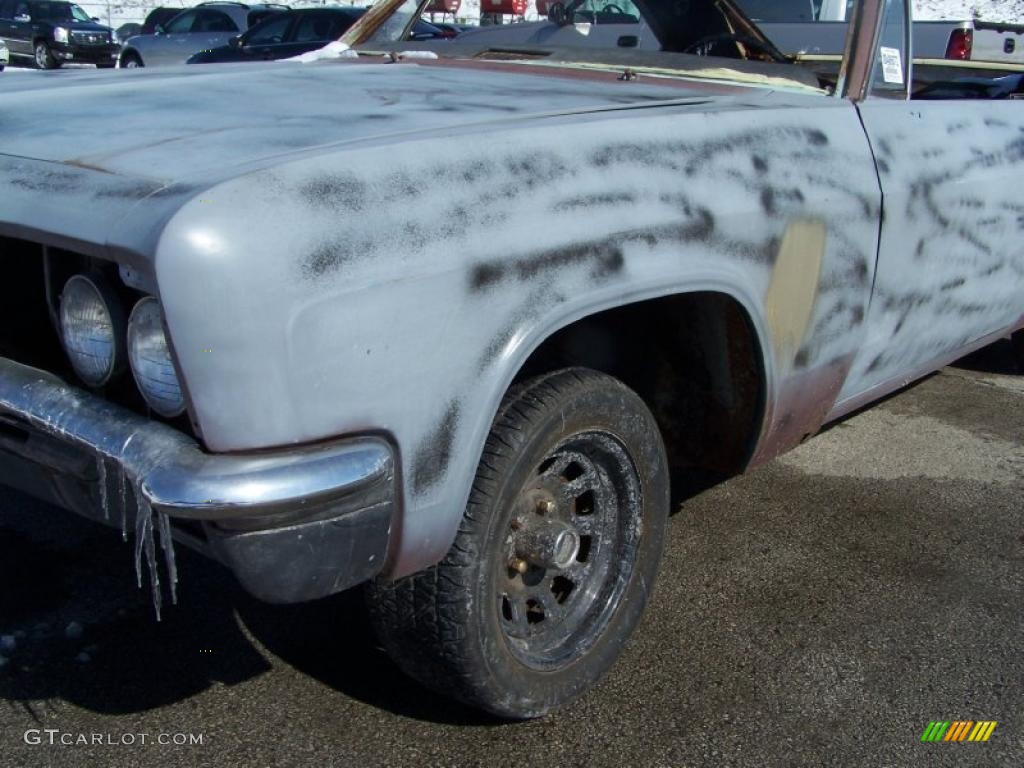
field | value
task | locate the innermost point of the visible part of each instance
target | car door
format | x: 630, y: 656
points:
x: 6, y: 21
x: 268, y: 39
x: 172, y: 46
x: 950, y: 270
x: 314, y: 29
x: 212, y: 29
x: 19, y: 37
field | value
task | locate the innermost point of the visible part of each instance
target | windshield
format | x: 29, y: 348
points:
x: 703, y: 38
x: 57, y: 12
x: 780, y: 10
x: 602, y: 27
x: 605, y: 12
x: 386, y: 22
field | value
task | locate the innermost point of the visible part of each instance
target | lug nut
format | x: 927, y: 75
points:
x: 520, y: 566
x: 545, y: 507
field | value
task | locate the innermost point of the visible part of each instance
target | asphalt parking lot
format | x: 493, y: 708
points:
x: 819, y: 611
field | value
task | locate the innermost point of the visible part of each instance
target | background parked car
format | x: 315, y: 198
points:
x: 204, y: 27
x: 4, y: 55
x: 50, y: 33
x: 292, y: 33
x: 800, y: 27
x: 159, y: 16
x: 426, y: 30
x: 125, y: 31
x: 283, y: 35
x: 451, y: 30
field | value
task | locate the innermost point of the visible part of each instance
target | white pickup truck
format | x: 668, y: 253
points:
x: 819, y: 27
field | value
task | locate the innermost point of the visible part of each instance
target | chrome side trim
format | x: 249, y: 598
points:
x: 174, y: 474
x: 861, y: 42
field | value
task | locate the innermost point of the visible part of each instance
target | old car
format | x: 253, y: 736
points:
x: 351, y: 322
x: 206, y: 26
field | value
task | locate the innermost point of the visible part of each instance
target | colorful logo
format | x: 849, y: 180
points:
x: 958, y: 730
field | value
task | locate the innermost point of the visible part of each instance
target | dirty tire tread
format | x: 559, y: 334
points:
x: 418, y: 618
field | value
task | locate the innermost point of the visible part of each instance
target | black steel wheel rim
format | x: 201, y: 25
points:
x: 587, y: 491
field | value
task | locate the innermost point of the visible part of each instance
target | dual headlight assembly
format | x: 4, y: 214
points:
x: 94, y: 334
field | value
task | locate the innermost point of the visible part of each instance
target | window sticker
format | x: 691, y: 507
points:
x: 892, y: 65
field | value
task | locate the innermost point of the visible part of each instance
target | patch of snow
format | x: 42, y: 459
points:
x: 335, y: 50
x: 1007, y: 11
x: 8, y: 643
x: 417, y: 55
x: 83, y: 658
x: 74, y: 631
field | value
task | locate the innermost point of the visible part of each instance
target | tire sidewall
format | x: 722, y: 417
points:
x: 527, y: 691
x: 46, y: 60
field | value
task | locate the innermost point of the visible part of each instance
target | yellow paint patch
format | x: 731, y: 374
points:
x: 793, y: 290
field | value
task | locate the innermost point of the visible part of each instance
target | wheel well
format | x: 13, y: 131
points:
x: 695, y: 360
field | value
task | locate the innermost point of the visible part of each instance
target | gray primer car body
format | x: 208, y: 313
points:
x: 384, y: 257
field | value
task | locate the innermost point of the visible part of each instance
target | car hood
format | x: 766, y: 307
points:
x: 80, y: 153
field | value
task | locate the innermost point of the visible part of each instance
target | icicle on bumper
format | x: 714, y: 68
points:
x: 146, y: 521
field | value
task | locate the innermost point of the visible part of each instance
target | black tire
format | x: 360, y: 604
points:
x: 131, y: 61
x: 44, y: 58
x: 474, y: 626
x: 1018, y: 347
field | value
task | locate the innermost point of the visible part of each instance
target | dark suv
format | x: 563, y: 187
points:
x: 52, y: 33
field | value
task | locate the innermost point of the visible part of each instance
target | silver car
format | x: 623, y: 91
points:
x: 5, y: 55
x: 206, y: 26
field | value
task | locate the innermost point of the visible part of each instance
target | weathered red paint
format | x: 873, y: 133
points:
x: 800, y: 408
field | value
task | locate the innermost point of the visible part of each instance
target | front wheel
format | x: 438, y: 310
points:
x: 131, y: 61
x: 44, y: 57
x: 1018, y: 347
x: 555, y: 557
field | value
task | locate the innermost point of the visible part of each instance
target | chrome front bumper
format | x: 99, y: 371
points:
x: 329, y: 505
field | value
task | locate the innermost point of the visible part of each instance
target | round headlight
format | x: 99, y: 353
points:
x: 150, y: 358
x: 90, y: 326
